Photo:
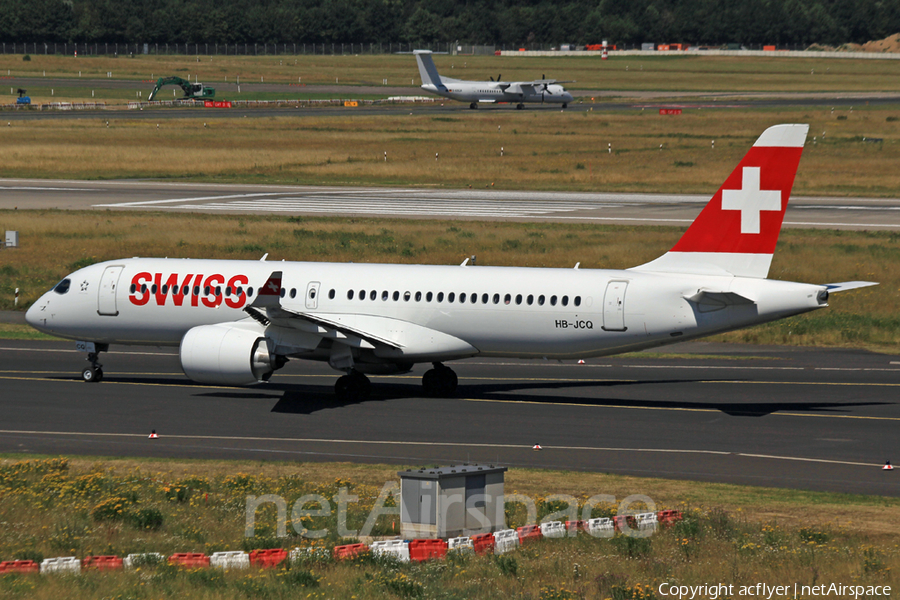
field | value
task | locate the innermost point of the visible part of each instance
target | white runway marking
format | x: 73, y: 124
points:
x: 443, y: 444
x: 461, y: 203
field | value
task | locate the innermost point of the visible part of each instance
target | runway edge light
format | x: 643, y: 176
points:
x: 153, y: 435
x: 887, y: 466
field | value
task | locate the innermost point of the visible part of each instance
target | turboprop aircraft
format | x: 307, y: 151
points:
x: 544, y: 91
x: 236, y: 322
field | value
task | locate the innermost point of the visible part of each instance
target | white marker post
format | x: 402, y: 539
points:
x: 16, y: 302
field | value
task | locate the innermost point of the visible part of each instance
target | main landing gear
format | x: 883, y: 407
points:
x: 94, y: 373
x: 520, y: 106
x: 352, y: 386
x: 440, y: 381
x: 473, y: 106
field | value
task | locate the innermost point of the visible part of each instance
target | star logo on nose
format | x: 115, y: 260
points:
x: 84, y: 286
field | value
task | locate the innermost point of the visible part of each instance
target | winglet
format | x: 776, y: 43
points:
x: 269, y: 294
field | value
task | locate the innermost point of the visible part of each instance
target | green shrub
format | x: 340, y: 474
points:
x: 146, y: 518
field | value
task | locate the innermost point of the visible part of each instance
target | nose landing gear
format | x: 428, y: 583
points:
x: 94, y: 373
x: 440, y: 381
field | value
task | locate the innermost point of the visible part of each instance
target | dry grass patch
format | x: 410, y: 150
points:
x: 730, y: 534
x: 646, y: 72
x: 542, y: 150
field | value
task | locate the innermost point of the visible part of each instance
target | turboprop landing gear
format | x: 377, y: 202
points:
x: 520, y: 106
x: 473, y: 106
x: 565, y: 105
x: 440, y: 381
x: 94, y: 373
x: 352, y: 386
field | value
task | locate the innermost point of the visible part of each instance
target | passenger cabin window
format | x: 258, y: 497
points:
x: 565, y: 300
x: 373, y: 294
x: 331, y: 294
x: 395, y: 296
x: 577, y: 300
x: 350, y: 295
x: 440, y: 296
x: 406, y: 296
x: 293, y: 292
x: 530, y: 299
x: 451, y: 297
x: 484, y: 298
x: 518, y: 298
x: 541, y: 300
x: 428, y: 297
x: 552, y: 300
x: 63, y: 286
x: 249, y: 291
x: 496, y: 298
x: 418, y: 296
x: 473, y: 298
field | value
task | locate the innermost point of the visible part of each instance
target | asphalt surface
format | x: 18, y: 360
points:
x: 880, y: 214
x: 784, y: 417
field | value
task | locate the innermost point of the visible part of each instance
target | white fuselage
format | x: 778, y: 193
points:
x: 496, y: 91
x: 507, y: 311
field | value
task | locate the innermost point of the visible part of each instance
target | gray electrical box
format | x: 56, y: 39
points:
x: 12, y: 239
x: 445, y: 502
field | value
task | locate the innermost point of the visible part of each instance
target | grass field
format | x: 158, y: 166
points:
x: 732, y: 534
x: 542, y: 150
x: 55, y: 243
x: 689, y: 73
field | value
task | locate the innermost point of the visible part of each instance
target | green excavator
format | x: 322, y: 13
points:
x: 191, y: 90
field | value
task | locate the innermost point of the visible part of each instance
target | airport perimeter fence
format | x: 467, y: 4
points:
x: 281, y: 49
x: 320, y: 49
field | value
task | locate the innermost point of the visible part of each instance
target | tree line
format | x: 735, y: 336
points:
x: 508, y: 23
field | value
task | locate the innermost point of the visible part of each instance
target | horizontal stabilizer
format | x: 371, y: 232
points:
x: 723, y: 297
x: 847, y: 285
x: 711, y: 301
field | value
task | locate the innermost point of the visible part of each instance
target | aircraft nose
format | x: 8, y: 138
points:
x: 31, y: 315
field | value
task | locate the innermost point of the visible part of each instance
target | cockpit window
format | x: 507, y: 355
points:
x: 63, y: 286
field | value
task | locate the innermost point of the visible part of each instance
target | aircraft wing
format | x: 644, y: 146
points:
x: 847, y: 285
x: 387, y: 337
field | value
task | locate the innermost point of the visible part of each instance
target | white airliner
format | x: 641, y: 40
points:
x: 544, y: 91
x: 236, y: 322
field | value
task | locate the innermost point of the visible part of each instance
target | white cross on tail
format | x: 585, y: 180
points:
x: 751, y: 200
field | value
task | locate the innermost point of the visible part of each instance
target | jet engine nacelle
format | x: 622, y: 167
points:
x: 226, y: 355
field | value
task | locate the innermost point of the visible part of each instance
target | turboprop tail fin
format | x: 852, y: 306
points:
x: 737, y: 231
x: 427, y: 70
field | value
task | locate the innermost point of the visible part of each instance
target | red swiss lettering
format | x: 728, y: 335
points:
x: 234, y: 283
x: 195, y: 298
x: 140, y: 296
x: 213, y: 299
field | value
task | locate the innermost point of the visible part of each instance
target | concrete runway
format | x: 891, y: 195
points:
x: 786, y: 417
x: 880, y: 214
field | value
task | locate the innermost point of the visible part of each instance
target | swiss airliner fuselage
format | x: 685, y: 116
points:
x: 237, y: 322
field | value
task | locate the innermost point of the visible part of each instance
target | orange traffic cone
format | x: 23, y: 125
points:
x: 153, y: 435
x: 887, y: 466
